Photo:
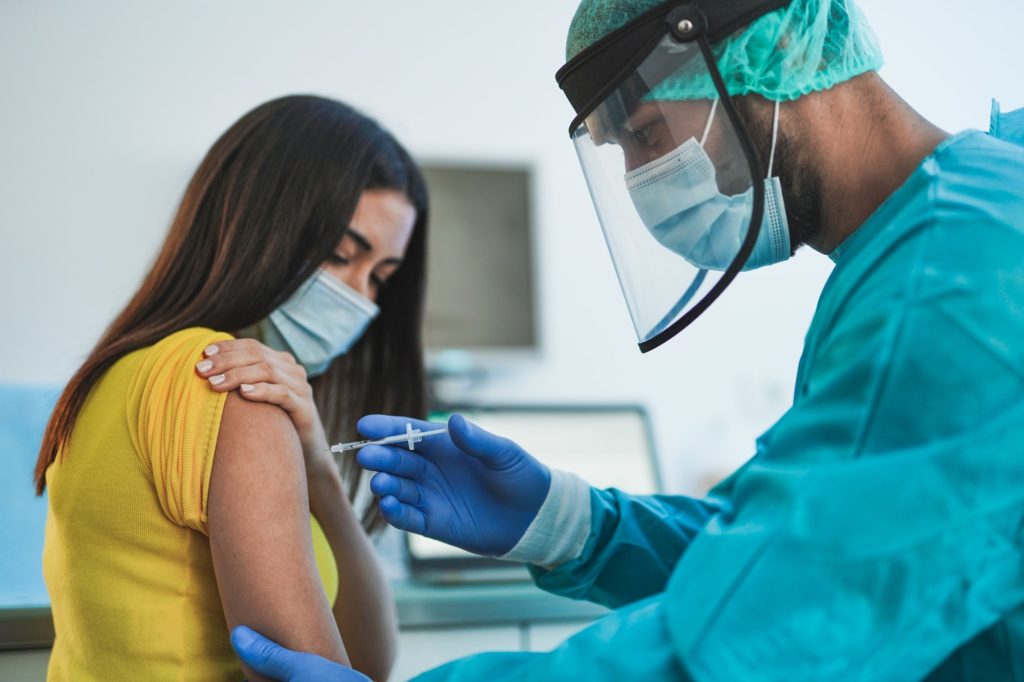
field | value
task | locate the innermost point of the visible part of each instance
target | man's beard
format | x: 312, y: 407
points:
x: 801, y: 183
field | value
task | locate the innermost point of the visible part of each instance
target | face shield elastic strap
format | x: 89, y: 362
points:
x: 584, y: 80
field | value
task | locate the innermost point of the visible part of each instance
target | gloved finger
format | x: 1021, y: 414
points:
x: 376, y: 426
x: 493, y: 451
x: 262, y: 655
x: 402, y: 516
x: 394, y: 461
x: 405, y: 490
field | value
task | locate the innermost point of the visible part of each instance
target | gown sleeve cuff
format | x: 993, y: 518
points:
x: 560, y: 530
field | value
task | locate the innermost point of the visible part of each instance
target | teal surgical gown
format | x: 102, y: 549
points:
x: 878, y: 531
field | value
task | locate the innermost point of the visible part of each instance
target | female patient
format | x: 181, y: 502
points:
x: 186, y: 454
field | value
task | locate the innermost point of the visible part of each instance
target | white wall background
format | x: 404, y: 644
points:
x: 106, y: 107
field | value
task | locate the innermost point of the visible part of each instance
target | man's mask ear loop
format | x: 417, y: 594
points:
x: 711, y: 119
x: 775, y: 139
x: 775, y: 132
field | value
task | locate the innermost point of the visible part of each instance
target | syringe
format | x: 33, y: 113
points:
x: 410, y: 438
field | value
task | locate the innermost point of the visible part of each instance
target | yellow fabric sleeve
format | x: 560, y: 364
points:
x: 174, y: 418
x: 326, y: 565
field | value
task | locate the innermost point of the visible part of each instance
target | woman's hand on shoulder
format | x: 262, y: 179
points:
x: 261, y: 374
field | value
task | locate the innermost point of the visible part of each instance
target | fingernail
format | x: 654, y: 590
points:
x: 246, y: 388
x: 204, y: 366
x: 212, y: 350
x: 217, y: 380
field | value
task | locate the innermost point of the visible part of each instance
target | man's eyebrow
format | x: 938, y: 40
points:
x: 360, y: 239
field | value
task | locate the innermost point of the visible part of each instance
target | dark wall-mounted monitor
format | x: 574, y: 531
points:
x: 481, y: 285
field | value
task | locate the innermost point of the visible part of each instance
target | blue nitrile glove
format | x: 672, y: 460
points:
x: 469, y: 488
x: 274, y: 661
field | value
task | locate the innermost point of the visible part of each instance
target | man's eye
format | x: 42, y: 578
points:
x: 642, y: 134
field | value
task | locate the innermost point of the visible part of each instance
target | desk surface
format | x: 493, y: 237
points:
x: 424, y: 606
x: 419, y: 606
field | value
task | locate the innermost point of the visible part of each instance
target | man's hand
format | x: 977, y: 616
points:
x: 469, y: 488
x: 274, y: 661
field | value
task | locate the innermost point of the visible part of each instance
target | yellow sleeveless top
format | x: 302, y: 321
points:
x: 127, y: 556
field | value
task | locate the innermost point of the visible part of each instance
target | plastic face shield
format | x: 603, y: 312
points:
x: 670, y: 168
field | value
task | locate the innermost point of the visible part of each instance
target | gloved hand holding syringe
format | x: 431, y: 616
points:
x: 410, y: 438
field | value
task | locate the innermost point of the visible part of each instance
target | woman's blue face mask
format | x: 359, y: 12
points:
x: 320, y: 322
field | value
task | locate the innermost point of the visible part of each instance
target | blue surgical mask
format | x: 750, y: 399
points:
x: 320, y: 322
x: 678, y: 199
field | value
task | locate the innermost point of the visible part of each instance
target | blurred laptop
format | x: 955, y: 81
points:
x: 608, y: 446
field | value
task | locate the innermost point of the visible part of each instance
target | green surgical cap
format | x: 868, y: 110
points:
x: 808, y: 46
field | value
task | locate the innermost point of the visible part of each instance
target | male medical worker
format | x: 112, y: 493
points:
x: 878, y: 531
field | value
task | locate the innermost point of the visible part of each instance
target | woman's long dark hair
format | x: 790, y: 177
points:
x: 266, y: 207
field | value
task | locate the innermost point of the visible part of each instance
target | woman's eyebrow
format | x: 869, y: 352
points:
x: 360, y: 239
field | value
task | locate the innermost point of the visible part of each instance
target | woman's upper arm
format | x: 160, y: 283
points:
x: 260, y: 532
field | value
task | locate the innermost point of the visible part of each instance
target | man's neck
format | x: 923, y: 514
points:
x: 868, y: 141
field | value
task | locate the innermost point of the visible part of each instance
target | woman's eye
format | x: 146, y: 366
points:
x: 337, y: 259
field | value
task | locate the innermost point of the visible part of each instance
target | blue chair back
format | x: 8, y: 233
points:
x: 24, y: 411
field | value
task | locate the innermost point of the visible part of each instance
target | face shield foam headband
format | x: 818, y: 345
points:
x: 679, y: 189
